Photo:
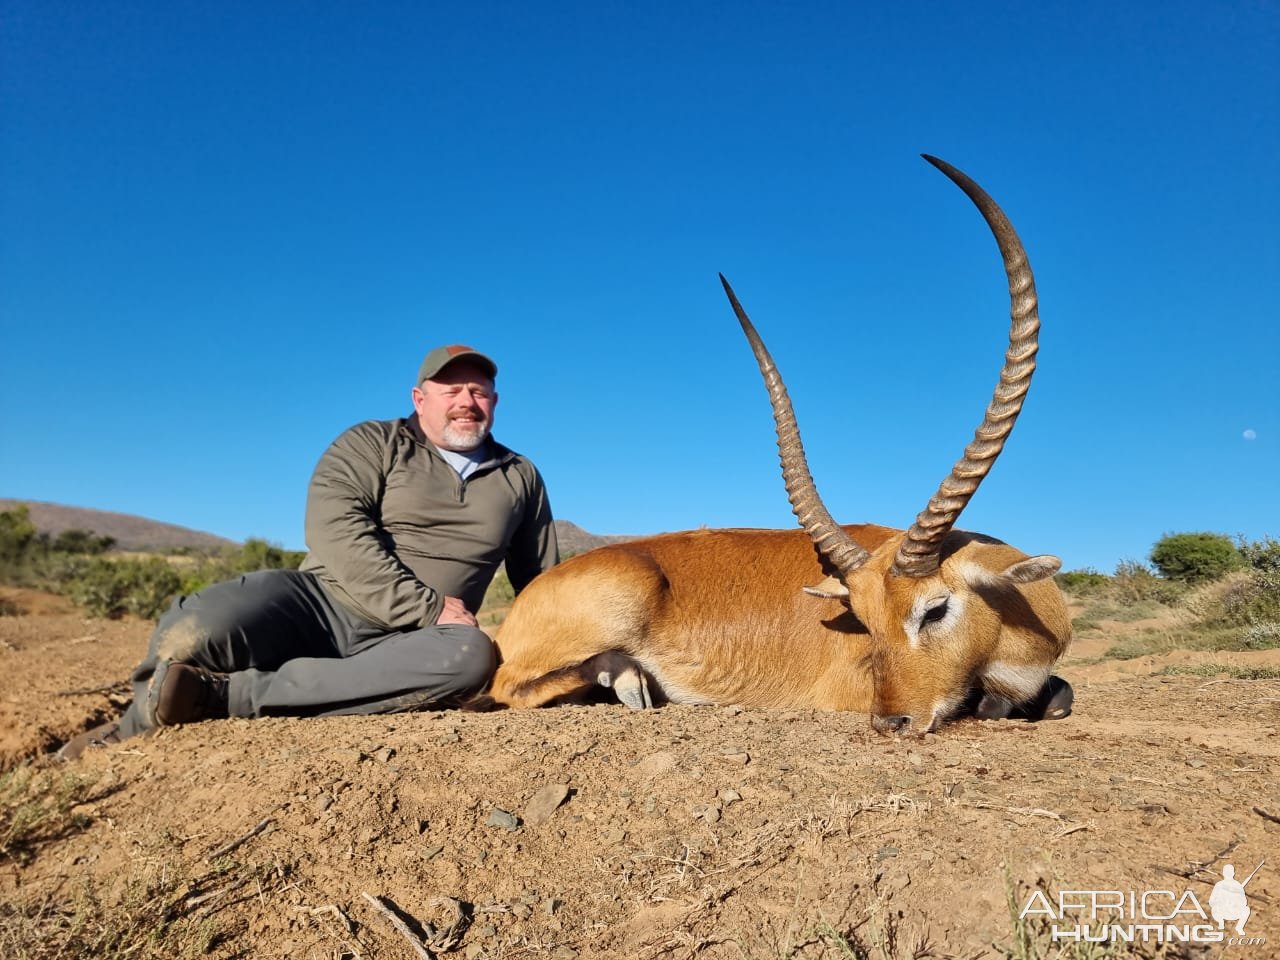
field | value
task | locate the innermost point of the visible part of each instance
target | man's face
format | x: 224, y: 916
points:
x: 455, y: 407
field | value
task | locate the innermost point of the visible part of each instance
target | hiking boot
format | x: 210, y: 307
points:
x: 182, y: 693
x: 102, y: 735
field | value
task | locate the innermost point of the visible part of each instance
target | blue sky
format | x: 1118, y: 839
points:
x: 232, y: 230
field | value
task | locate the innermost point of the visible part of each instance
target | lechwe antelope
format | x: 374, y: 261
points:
x: 913, y: 626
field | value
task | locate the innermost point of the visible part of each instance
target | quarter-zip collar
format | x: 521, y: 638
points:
x: 498, y: 454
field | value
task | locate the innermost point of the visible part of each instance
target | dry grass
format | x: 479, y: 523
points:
x: 37, y: 808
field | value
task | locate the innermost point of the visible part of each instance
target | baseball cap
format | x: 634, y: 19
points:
x: 441, y: 357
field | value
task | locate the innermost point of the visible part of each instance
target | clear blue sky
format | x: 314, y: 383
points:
x: 230, y: 230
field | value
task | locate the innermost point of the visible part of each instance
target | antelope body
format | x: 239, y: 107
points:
x: 911, y: 625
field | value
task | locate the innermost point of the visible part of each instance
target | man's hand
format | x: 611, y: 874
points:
x: 455, y: 611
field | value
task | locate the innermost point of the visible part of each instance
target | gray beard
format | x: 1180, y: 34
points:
x: 464, y: 441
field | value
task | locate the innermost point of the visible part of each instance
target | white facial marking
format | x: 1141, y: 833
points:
x: 975, y: 574
x: 915, y: 625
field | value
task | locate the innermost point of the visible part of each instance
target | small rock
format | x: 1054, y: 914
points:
x: 385, y: 754
x: 501, y: 818
x: 951, y: 762
x: 433, y: 851
x: 485, y: 930
x: 544, y: 803
x: 729, y: 796
x: 738, y: 756
x: 887, y: 853
x: 472, y: 951
x: 522, y: 910
x: 615, y: 836
x: 564, y: 953
x: 323, y: 803
x: 708, y: 812
x: 1195, y: 763
x: 549, y: 906
x: 454, y: 737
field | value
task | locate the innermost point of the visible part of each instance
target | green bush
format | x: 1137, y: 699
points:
x: 1195, y: 557
x: 112, y: 588
x: 500, y: 592
x: 1261, y: 554
x: 1083, y: 582
x: 17, y: 536
x: 81, y: 541
x: 1134, y: 582
x: 253, y: 555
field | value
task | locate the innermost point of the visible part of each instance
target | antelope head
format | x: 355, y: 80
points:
x: 953, y: 618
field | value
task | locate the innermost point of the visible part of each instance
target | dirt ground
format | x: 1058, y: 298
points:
x: 597, y: 832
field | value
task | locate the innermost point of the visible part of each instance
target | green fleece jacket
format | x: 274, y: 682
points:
x: 393, y: 530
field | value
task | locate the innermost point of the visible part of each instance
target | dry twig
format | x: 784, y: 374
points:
x: 1021, y: 811
x: 332, y: 908
x: 1067, y: 831
x: 402, y: 928
x: 226, y: 848
x: 450, y: 935
x: 1266, y: 816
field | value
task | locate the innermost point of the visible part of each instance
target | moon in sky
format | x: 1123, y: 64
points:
x: 1251, y: 434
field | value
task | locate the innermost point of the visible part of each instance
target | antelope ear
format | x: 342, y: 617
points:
x: 829, y: 589
x: 1032, y: 569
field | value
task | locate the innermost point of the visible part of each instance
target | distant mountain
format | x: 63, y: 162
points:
x: 573, y: 539
x: 138, y: 533
x: 130, y: 532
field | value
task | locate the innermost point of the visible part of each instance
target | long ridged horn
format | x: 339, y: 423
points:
x: 828, y: 536
x: 919, y: 554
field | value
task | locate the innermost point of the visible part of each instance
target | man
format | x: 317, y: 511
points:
x: 407, y: 521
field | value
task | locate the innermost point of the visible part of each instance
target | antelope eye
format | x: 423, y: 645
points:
x: 934, y: 614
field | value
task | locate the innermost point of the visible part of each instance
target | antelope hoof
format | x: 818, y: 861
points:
x: 1053, y: 702
x: 632, y: 688
x: 993, y: 706
x: 1061, y: 697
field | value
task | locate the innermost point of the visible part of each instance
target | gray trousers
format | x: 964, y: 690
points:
x: 292, y: 650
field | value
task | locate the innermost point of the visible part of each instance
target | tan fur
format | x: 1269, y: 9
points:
x: 722, y: 616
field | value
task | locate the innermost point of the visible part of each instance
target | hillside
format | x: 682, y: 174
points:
x: 573, y: 539
x: 130, y: 532
x: 140, y: 533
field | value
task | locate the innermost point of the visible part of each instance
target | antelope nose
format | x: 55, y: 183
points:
x: 887, y: 725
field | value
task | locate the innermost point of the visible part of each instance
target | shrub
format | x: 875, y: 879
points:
x: 81, y: 541
x: 37, y: 807
x: 1262, y: 636
x: 1134, y: 582
x: 1195, y: 557
x: 1261, y: 554
x: 253, y: 555
x: 1082, y: 582
x: 112, y: 588
x: 17, y: 536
